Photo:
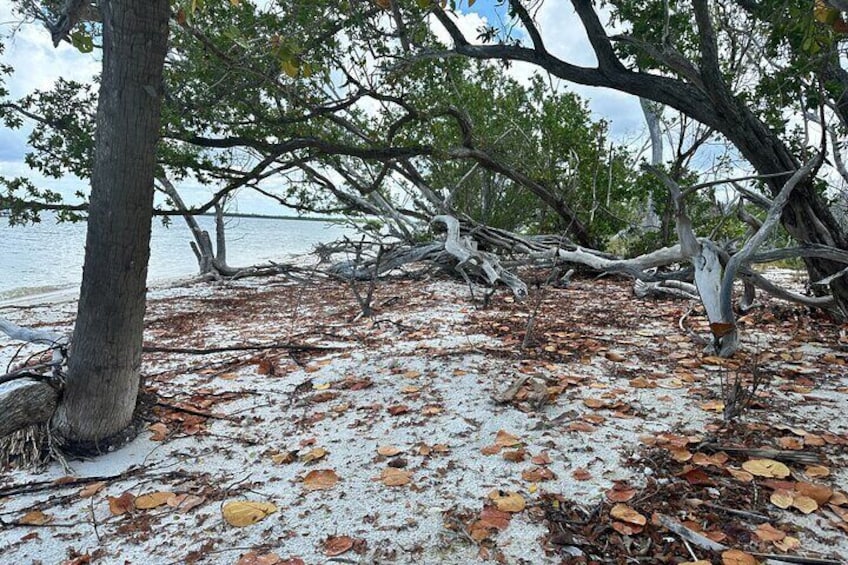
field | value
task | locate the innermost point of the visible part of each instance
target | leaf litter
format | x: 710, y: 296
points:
x: 398, y: 444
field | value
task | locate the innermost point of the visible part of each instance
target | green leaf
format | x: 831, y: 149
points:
x: 82, y: 41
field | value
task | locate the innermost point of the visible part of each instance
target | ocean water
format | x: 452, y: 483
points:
x: 48, y: 257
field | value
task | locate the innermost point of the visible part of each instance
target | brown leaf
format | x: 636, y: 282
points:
x: 594, y: 403
x: 388, y: 450
x: 392, y: 477
x: 185, y: 502
x: 152, y: 500
x: 626, y: 529
x: 398, y: 409
x: 35, y: 518
x: 805, y: 504
x: 541, y: 459
x: 506, y: 439
x: 320, y: 479
x: 620, y: 492
x: 255, y: 558
x: 336, y: 545
x: 788, y: 543
x: 740, y: 475
x: 820, y: 493
x: 313, y: 455
x: 537, y: 474
x: 766, y: 468
x: 782, y: 498
x: 767, y: 532
x: 816, y: 471
x: 121, y: 504
x: 627, y: 514
x: 507, y: 501
x: 581, y: 474
x: 91, y: 489
x: 491, y: 517
x: 736, y: 557
x: 160, y: 431
x: 515, y: 455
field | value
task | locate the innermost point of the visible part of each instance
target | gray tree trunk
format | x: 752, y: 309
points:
x: 105, y: 358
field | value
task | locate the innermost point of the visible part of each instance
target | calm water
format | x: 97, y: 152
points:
x: 48, y: 256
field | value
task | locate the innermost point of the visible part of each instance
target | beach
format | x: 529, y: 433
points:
x: 438, y: 431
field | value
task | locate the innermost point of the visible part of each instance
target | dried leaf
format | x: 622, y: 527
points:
x: 514, y: 455
x: 816, y: 471
x: 507, y: 501
x: 392, y: 477
x: 788, y: 543
x: 736, y: 557
x: 820, y: 493
x: 241, y: 513
x: 320, y: 479
x: 537, y: 474
x: 782, y: 498
x: 313, y: 455
x: 620, y: 492
x: 627, y: 514
x: 388, y: 450
x: 336, y: 545
x: 398, y: 409
x: 152, y: 500
x: 121, y: 504
x: 255, y: 558
x: 838, y: 499
x: 541, y: 459
x: 491, y: 517
x: 767, y: 532
x: 185, y: 502
x: 160, y: 431
x: 90, y: 490
x: 805, y: 504
x: 581, y: 474
x: 766, y: 468
x: 35, y: 518
x: 740, y: 475
x: 626, y: 529
x: 506, y: 439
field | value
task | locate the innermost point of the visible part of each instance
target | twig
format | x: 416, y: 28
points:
x: 208, y: 351
x: 744, y: 513
x: 806, y: 457
x: 689, y: 535
x: 782, y: 558
x: 193, y: 412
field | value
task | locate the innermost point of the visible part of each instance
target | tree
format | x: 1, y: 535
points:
x: 696, y: 71
x: 102, y: 382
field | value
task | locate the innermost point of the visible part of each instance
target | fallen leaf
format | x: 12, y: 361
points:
x: 680, y: 455
x: 152, y: 500
x: 614, y: 356
x: 320, y: 479
x: 820, y: 493
x: 626, y: 529
x: 507, y: 501
x: 782, y: 498
x: 537, y: 474
x: 838, y: 499
x: 121, y: 504
x: 620, y: 492
x: 581, y: 474
x: 392, y: 477
x: 698, y: 562
x: 805, y: 504
x: 514, y: 455
x: 336, y: 545
x: 35, y: 518
x: 541, y: 459
x: 736, y: 557
x: 491, y: 517
x: 594, y: 403
x: 185, y: 502
x: 388, y: 450
x: 313, y: 455
x: 285, y: 457
x: 627, y: 514
x: 90, y: 490
x: 241, y: 513
x: 766, y: 468
x: 788, y: 543
x: 767, y: 532
x: 160, y: 431
x: 740, y: 475
x: 398, y: 409
x: 506, y: 439
x: 816, y: 471
x: 255, y: 558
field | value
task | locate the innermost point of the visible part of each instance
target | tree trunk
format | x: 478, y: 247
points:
x: 105, y: 357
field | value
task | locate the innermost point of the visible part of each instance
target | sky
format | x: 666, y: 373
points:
x: 38, y: 64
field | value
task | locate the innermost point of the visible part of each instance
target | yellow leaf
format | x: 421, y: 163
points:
x: 313, y: 455
x: 507, y: 501
x: 235, y: 3
x: 788, y: 543
x: 35, y: 518
x: 290, y: 69
x: 627, y: 514
x: 152, y: 500
x: 392, y: 477
x: 241, y: 513
x: 740, y: 475
x: 316, y: 386
x: 320, y: 479
x: 766, y: 468
x: 816, y: 471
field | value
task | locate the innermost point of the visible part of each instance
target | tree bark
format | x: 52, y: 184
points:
x: 105, y: 358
